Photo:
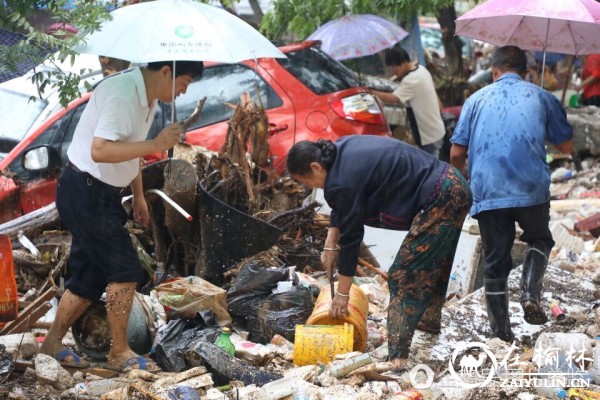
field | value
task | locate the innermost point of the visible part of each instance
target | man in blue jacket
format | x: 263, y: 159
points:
x: 503, y: 129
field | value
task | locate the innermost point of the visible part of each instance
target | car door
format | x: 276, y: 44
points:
x: 38, y: 188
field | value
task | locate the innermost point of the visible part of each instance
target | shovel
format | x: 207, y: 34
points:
x: 330, y: 276
x: 331, y: 285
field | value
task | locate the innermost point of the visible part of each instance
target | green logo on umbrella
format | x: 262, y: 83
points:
x: 184, y: 31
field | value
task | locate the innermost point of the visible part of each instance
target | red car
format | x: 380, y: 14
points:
x: 308, y: 95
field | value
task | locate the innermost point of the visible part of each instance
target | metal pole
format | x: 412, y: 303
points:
x: 544, y: 57
x: 173, y: 115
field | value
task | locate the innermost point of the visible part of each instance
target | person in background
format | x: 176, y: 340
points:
x: 387, y: 183
x: 104, y: 157
x: 590, y: 85
x: 550, y: 81
x: 503, y: 128
x: 417, y: 92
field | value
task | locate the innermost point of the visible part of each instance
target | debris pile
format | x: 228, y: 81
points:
x: 265, y: 285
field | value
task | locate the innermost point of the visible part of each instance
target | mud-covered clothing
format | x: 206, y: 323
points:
x: 498, y: 235
x: 421, y: 270
x: 88, y: 194
x: 505, y: 126
x: 101, y: 248
x: 379, y: 182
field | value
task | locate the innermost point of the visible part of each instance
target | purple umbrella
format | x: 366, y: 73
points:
x: 354, y: 36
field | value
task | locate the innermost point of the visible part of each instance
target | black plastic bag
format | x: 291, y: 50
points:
x: 255, y: 309
x: 181, y: 335
x: 254, y: 282
x: 280, y: 313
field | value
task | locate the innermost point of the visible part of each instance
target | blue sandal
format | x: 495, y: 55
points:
x: 141, y: 363
x: 76, y: 363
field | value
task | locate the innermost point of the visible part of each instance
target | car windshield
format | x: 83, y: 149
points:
x: 318, y: 71
x: 19, y: 105
x: 223, y: 84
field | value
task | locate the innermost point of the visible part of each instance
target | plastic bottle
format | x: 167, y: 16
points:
x: 81, y: 388
x: 561, y: 174
x: 300, y: 393
x: 557, y: 311
x: 343, y: 368
x: 431, y: 393
x: 224, y: 341
x: 551, y: 392
x: 410, y: 394
x: 280, y: 388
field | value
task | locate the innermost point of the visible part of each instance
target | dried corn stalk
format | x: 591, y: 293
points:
x: 249, y: 123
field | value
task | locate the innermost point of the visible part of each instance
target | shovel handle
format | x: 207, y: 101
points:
x: 331, y: 272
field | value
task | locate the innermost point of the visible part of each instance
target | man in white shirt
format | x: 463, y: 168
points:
x: 417, y: 92
x: 104, y: 157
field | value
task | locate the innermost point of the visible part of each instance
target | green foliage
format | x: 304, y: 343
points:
x: 302, y: 17
x: 15, y: 16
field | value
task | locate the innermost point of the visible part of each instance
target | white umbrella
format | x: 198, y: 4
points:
x: 179, y: 30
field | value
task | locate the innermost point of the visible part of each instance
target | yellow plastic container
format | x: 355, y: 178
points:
x: 321, y: 343
x: 358, y: 310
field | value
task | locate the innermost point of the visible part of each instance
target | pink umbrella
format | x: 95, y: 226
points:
x: 354, y: 36
x: 557, y: 26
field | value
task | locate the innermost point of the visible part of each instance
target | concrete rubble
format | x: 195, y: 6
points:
x: 572, y: 279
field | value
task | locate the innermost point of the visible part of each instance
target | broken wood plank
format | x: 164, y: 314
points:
x: 196, y: 382
x: 591, y: 225
x: 373, y: 268
x: 21, y: 365
x: 573, y: 204
x: 35, y: 220
x: 103, y: 372
x: 182, y: 376
x: 33, y: 315
x: 30, y: 311
x: 144, y: 391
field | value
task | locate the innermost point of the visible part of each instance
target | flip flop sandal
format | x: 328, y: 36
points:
x: 76, y: 363
x: 141, y: 363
